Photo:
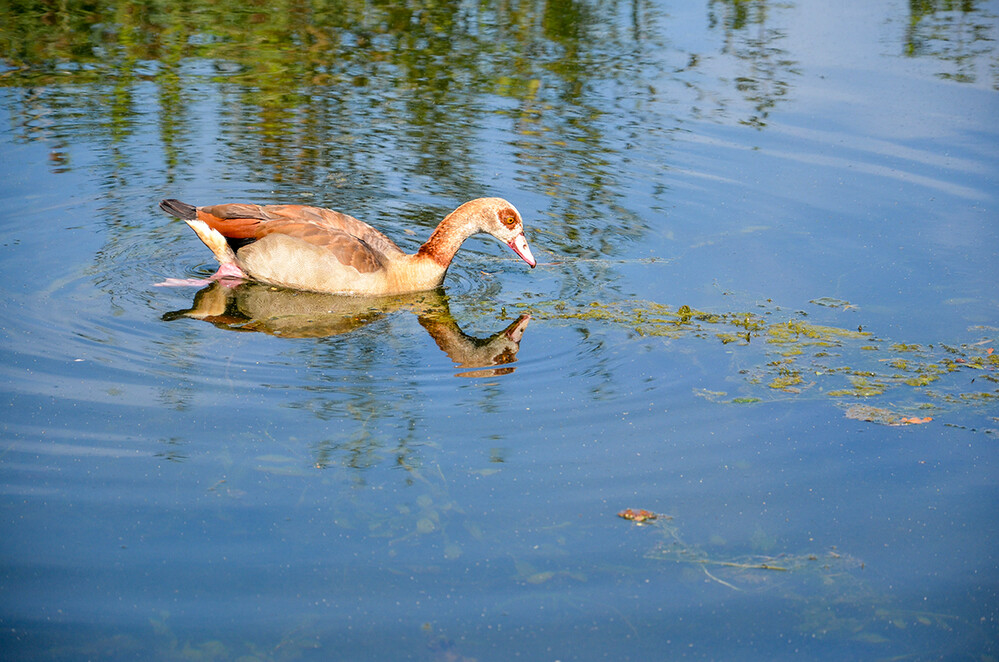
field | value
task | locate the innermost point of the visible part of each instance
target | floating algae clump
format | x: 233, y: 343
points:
x: 793, y: 356
x: 796, y: 330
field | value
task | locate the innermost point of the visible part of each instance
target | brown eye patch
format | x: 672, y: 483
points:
x: 508, y: 217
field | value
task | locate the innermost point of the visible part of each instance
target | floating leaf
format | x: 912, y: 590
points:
x: 638, y: 516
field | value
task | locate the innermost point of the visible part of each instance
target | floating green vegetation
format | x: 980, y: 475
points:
x: 982, y: 397
x: 885, y: 416
x: 902, y: 347
x: 787, y: 375
x: 922, y: 379
x: 830, y: 302
x: 796, y: 331
x: 861, y: 388
x: 646, y: 318
x: 793, y: 356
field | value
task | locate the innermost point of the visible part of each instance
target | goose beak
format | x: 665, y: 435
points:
x: 520, y: 247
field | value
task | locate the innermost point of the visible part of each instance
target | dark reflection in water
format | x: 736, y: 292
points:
x: 753, y: 39
x: 261, y: 308
x: 959, y: 34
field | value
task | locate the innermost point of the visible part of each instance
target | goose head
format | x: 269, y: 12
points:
x: 501, y: 219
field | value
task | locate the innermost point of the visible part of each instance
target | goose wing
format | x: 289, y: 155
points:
x: 353, y: 242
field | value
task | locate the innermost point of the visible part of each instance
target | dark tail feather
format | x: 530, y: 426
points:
x: 179, y: 209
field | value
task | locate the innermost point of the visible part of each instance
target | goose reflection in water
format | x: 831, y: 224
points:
x: 263, y: 308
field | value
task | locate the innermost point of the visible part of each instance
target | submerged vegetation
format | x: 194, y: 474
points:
x: 835, y: 598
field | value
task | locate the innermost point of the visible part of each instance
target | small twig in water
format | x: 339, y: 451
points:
x: 720, y: 581
x: 748, y: 566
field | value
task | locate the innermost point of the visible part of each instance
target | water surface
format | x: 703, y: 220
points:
x: 750, y: 218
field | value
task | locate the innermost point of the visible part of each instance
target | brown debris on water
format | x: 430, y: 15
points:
x: 883, y: 416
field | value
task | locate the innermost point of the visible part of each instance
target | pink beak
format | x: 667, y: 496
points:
x: 520, y: 247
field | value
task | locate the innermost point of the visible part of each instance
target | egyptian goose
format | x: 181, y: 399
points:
x: 309, y: 248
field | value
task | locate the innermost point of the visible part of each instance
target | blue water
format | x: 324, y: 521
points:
x: 340, y: 484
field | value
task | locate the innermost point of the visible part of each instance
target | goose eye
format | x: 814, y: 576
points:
x: 508, y: 218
